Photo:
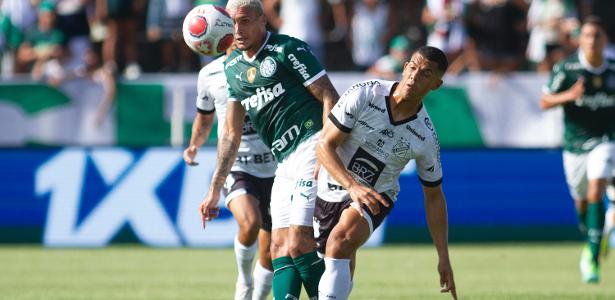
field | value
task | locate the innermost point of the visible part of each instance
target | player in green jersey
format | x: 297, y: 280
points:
x: 279, y: 83
x: 584, y: 85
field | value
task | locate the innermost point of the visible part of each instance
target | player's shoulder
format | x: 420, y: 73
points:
x: 233, y: 58
x: 283, y: 44
x: 376, y: 87
x: 570, y: 63
x: 212, y: 68
x: 611, y: 63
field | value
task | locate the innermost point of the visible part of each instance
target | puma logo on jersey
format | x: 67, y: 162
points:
x: 263, y: 96
x: 238, y: 76
x: 297, y: 65
x: 301, y: 49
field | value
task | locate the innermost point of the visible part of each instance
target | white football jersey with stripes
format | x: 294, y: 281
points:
x: 377, y: 149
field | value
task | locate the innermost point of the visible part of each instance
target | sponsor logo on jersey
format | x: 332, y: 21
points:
x: 594, y: 102
x: 366, y: 167
x: 428, y: 124
x: 274, y: 48
x: 360, y: 85
x: 418, y: 135
x: 430, y: 169
x: 380, y: 143
x: 376, y: 149
x: 232, y: 62
x: 297, y: 65
x: 238, y: 76
x: 268, y: 67
x: 301, y: 49
x: 308, y: 124
x: 251, y: 74
x: 376, y: 107
x: 304, y: 183
x: 288, y: 136
x: 402, y: 148
x: 351, y: 116
x: 263, y: 96
x: 363, y: 123
x: 335, y: 187
x: 387, y: 132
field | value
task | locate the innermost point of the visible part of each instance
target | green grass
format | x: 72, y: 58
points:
x: 491, y: 271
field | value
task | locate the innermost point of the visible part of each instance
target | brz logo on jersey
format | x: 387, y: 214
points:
x: 387, y: 132
x: 263, y: 96
x: 297, y: 65
x: 402, y: 148
x: 268, y: 67
x: 366, y: 167
x: 288, y: 136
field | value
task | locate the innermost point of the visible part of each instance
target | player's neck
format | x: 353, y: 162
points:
x: 403, y: 108
x: 254, y: 50
x: 595, y: 60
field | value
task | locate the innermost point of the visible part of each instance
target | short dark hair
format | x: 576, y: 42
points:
x: 435, y: 55
x: 593, y: 20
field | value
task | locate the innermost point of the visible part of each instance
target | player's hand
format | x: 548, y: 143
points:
x: 208, y: 209
x: 368, y: 197
x: 577, y: 90
x: 447, y: 282
x: 190, y: 154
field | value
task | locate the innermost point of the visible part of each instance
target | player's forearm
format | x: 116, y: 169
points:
x: 552, y: 100
x: 330, y: 160
x: 201, y: 128
x: 228, y: 146
x: 437, y: 221
x: 323, y: 90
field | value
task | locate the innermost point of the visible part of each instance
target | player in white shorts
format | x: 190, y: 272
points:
x: 373, y: 131
x: 247, y: 188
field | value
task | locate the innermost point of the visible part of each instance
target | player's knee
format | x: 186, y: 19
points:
x: 301, y: 241
x: 250, y: 226
x: 278, y: 247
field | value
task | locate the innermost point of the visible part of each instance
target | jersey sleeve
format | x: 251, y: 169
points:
x: 428, y: 164
x: 228, y: 73
x: 556, y: 80
x: 301, y: 62
x: 346, y: 111
x: 204, y: 99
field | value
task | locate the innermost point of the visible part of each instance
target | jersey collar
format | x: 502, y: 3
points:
x: 588, y: 67
x: 390, y: 113
x: 251, y: 59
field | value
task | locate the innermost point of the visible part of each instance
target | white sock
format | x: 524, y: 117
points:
x: 244, y: 255
x: 335, y: 281
x: 262, y: 282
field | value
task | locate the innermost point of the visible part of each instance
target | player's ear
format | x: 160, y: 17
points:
x: 437, y: 84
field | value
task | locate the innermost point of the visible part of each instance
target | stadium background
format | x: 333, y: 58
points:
x: 66, y: 183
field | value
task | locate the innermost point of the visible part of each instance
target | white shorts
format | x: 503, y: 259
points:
x: 581, y: 167
x: 293, y: 195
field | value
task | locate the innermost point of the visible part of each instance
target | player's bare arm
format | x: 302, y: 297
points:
x: 330, y: 138
x: 323, y: 90
x: 437, y: 221
x: 200, y: 132
x: 228, y: 144
x: 552, y: 100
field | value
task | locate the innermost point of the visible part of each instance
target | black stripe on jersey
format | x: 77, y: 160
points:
x: 205, y: 112
x: 406, y: 120
x: 431, y: 183
x: 338, y: 124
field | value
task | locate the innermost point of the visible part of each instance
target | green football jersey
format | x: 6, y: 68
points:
x: 271, y: 87
x: 590, y: 119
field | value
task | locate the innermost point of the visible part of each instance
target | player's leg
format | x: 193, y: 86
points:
x: 263, y: 271
x: 347, y: 236
x: 609, y: 221
x: 286, y: 278
x: 245, y: 211
x: 576, y: 178
x: 302, y: 245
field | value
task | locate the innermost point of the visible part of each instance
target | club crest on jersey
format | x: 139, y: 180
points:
x: 268, y: 67
x: 402, y: 148
x: 597, y: 82
x: 251, y: 74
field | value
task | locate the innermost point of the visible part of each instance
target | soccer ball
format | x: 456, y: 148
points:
x: 208, y: 30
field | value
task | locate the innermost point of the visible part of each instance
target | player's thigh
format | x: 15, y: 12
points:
x: 348, y: 235
x: 601, y: 162
x: 281, y: 193
x: 246, y: 211
x: 302, y: 163
x: 575, y: 169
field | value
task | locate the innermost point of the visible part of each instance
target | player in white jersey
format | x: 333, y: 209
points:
x: 248, y: 186
x: 373, y: 131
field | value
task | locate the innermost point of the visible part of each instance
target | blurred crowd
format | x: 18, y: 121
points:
x: 55, y: 40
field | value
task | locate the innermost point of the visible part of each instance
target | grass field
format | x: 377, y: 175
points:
x: 498, y: 271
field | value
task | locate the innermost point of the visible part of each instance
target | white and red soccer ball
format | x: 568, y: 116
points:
x: 208, y: 30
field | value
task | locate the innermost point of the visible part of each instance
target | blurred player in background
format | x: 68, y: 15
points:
x: 375, y: 129
x: 248, y: 186
x: 279, y: 83
x: 584, y: 85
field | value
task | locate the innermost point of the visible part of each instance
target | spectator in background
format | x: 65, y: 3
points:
x: 299, y: 19
x: 42, y: 46
x: 15, y: 17
x: 445, y: 24
x: 390, y: 66
x: 498, y: 30
x: 549, y: 23
x: 120, y: 18
x: 164, y: 24
x: 368, y: 28
x: 73, y: 22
